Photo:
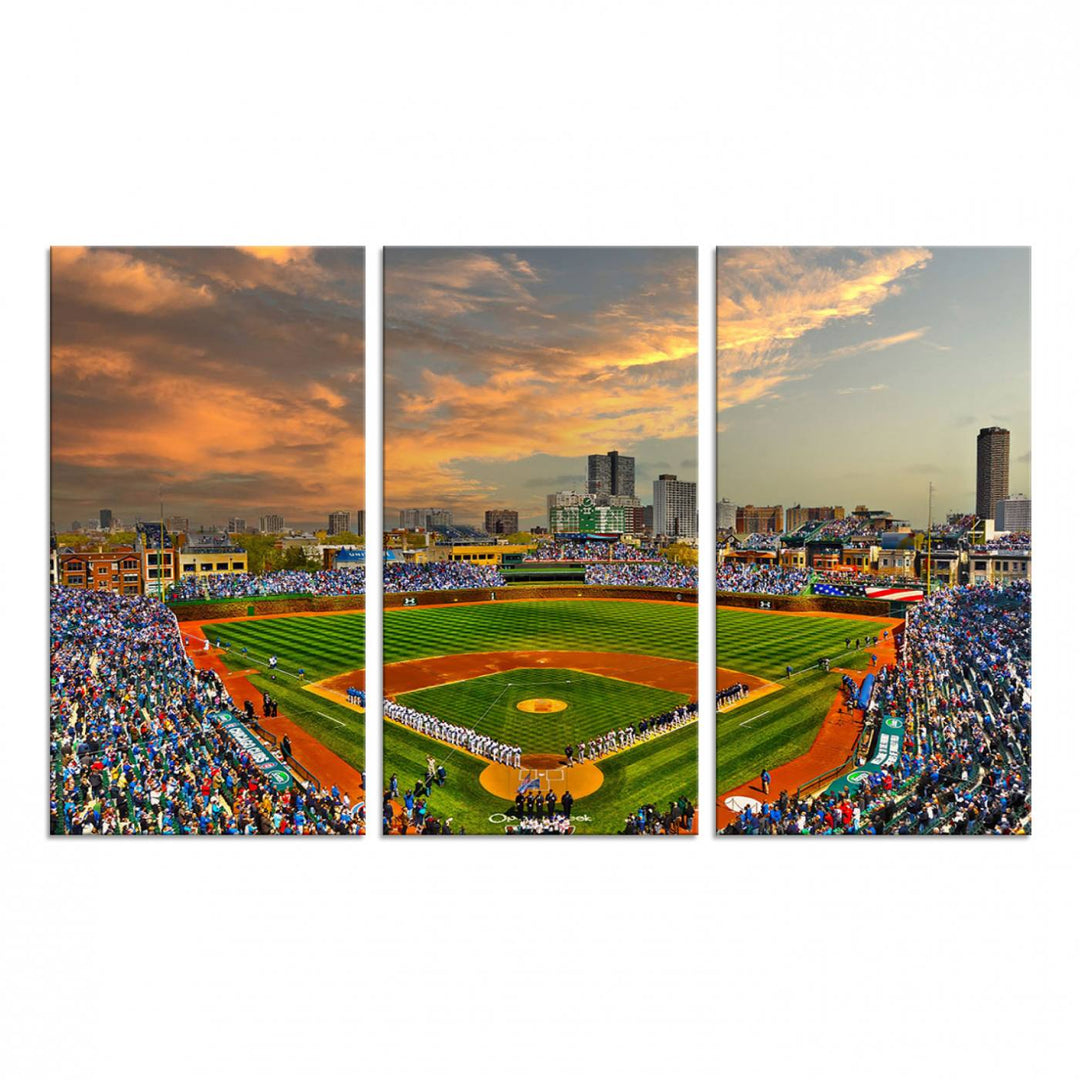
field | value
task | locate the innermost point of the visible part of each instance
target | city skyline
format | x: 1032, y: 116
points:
x: 233, y: 377
x: 858, y: 375
x: 505, y: 368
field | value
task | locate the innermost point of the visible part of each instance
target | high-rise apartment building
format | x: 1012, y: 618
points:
x: 500, y: 522
x: 337, y: 522
x: 236, y: 525
x: 610, y: 474
x: 725, y: 514
x: 271, y: 523
x: 992, y: 470
x: 1012, y: 514
x: 674, y: 506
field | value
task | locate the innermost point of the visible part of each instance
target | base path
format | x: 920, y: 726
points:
x: 312, y: 754
x: 832, y: 746
x: 679, y: 676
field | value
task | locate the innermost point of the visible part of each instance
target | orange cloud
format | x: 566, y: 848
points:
x: 770, y: 299
x: 121, y: 282
x: 488, y: 361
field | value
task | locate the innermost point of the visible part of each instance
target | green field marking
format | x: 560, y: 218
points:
x: 644, y: 629
x: 595, y: 705
x: 770, y: 731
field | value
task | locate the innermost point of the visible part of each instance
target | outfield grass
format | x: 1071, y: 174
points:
x: 668, y: 630
x: 658, y: 772
x: 322, y: 645
x: 769, y: 731
x: 595, y: 705
x: 764, y: 643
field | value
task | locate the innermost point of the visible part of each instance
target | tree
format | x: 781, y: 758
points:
x: 260, y: 549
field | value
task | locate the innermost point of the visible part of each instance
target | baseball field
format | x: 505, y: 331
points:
x: 322, y: 647
x: 780, y: 722
x: 542, y: 674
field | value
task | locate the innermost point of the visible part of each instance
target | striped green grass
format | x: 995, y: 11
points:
x: 763, y: 643
x: 668, y: 630
x: 595, y: 705
x: 323, y: 645
x: 769, y: 731
x: 658, y: 771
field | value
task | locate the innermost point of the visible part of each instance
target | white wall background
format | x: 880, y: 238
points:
x: 537, y: 123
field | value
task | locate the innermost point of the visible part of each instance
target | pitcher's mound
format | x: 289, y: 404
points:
x: 541, y: 704
x: 549, y: 770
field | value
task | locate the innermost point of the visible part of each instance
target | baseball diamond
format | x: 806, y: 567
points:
x: 518, y: 699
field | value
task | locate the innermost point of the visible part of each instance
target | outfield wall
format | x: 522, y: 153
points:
x: 826, y: 605
x: 206, y: 610
x: 195, y: 610
x: 539, y: 592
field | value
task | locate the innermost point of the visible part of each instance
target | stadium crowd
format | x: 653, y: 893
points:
x: 426, y: 577
x: 753, y: 578
x: 134, y: 742
x: 962, y: 688
x: 591, y: 551
x: 344, y: 582
x: 650, y: 574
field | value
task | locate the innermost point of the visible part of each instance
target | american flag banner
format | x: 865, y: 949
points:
x: 825, y: 588
x: 882, y: 592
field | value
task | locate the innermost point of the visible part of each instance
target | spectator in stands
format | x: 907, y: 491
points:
x: 136, y: 743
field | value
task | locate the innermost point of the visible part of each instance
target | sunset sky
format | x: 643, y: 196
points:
x: 231, y: 378
x: 505, y: 368
x: 855, y: 375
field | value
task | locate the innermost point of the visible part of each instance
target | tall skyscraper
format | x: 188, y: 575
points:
x: 361, y: 522
x: 674, y: 506
x: 271, y: 523
x: 337, y: 522
x: 610, y: 474
x: 105, y: 518
x: 500, y: 522
x: 992, y: 470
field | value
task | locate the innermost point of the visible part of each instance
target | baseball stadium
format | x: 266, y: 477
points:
x: 219, y: 708
x: 558, y: 704
x: 852, y: 704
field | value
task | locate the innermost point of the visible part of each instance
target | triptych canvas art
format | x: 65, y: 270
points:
x: 542, y: 542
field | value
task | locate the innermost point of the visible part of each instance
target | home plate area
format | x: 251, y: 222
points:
x: 552, y: 772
